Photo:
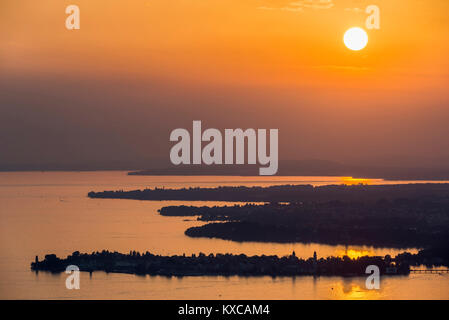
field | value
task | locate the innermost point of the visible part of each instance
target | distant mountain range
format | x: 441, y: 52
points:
x: 307, y: 168
x: 311, y: 167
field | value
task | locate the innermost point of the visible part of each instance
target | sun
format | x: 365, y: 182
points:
x: 355, y: 39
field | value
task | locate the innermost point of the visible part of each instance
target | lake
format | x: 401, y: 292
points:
x: 49, y: 212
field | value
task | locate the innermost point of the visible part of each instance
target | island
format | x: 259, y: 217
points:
x: 241, y: 265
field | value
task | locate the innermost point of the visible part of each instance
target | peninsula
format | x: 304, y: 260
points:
x: 402, y: 216
x: 399, y: 223
x: 285, y: 193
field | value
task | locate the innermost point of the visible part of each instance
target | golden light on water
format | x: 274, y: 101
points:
x: 355, y: 253
x: 353, y: 290
x: 354, y: 181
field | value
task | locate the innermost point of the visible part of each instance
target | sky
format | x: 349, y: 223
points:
x: 111, y: 92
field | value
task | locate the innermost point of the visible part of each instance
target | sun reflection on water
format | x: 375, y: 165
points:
x: 355, y: 181
x: 355, y: 253
x: 354, y: 289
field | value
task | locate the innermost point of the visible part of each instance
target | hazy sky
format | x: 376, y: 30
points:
x: 113, y: 91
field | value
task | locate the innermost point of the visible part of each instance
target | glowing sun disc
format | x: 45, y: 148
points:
x: 355, y: 39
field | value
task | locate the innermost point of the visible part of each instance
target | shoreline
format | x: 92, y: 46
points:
x: 439, y: 179
x: 413, y: 215
x: 222, y: 264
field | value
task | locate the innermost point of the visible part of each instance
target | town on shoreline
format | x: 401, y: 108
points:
x: 242, y: 265
x: 397, y: 216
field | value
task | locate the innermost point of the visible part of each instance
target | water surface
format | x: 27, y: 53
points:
x: 49, y: 212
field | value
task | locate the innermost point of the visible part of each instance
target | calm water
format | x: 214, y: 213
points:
x: 50, y: 213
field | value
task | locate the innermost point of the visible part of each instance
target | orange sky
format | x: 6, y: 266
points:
x: 289, y: 52
x: 254, y: 41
